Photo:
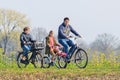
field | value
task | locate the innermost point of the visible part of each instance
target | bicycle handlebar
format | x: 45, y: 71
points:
x: 30, y: 43
x: 75, y: 37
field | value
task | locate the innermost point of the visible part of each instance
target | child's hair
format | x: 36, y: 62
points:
x: 50, y: 32
x: 26, y: 28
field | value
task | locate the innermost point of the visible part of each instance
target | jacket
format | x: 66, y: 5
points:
x: 64, y: 31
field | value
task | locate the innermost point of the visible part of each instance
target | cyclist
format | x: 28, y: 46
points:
x: 64, y: 35
x: 53, y: 46
x: 26, y: 38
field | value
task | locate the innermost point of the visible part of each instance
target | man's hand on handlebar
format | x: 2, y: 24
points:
x: 69, y: 37
x: 74, y: 37
x: 79, y: 36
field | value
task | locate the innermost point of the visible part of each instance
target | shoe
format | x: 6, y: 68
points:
x: 63, y: 54
x: 32, y: 61
x: 51, y: 64
x: 24, y: 61
x: 68, y: 61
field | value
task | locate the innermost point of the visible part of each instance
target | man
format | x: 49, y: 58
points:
x: 64, y: 35
x: 25, y: 38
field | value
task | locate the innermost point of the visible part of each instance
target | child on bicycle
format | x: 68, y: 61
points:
x: 25, y: 37
x: 53, y: 46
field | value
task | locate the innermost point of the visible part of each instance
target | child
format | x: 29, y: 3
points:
x: 53, y: 46
x: 26, y: 38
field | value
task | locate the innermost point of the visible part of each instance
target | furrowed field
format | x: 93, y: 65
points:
x: 98, y: 68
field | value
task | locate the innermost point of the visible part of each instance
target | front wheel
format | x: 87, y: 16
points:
x: 38, y: 62
x: 62, y: 62
x: 81, y: 58
x: 46, y: 62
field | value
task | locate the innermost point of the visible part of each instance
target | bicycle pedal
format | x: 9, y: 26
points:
x: 24, y: 62
x: 32, y: 62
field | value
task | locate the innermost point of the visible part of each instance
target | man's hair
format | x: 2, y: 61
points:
x: 66, y: 18
x: 26, y: 28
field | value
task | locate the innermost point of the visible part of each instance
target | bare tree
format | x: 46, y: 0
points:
x: 105, y: 43
x: 39, y: 33
x: 10, y: 21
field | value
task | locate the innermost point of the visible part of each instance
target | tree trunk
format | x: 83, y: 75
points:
x: 5, y: 45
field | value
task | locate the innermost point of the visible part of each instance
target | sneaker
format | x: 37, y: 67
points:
x: 24, y: 61
x: 68, y: 61
x: 32, y: 61
x: 63, y: 54
x: 51, y: 64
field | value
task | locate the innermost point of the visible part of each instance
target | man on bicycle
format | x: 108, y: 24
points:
x: 64, y: 35
x: 26, y: 38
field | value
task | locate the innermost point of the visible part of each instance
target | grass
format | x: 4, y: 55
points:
x: 99, y: 68
x: 53, y: 73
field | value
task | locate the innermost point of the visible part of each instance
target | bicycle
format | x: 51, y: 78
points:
x: 35, y: 58
x: 80, y: 58
x: 59, y: 61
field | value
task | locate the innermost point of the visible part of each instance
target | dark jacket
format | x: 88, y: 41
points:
x: 25, y: 38
x: 48, y: 41
x: 64, y: 31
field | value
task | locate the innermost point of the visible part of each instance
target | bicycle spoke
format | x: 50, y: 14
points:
x: 21, y: 63
x: 38, y: 60
x: 62, y: 62
x: 46, y: 62
x: 81, y: 58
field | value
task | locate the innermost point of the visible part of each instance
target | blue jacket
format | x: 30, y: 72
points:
x: 64, y: 31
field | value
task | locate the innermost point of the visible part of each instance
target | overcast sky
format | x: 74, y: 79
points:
x: 88, y: 17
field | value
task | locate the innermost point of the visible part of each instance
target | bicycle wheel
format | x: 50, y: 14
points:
x: 38, y: 62
x: 81, y: 58
x: 62, y: 62
x: 46, y: 62
x: 20, y: 62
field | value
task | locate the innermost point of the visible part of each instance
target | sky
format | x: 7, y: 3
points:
x: 88, y: 17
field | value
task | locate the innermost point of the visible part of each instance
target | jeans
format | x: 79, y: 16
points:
x: 26, y: 49
x: 66, y: 43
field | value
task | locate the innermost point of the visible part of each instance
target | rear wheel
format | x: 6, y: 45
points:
x: 21, y: 63
x: 81, y: 58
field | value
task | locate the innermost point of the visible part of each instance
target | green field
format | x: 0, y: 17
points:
x: 98, y: 68
x: 91, y: 72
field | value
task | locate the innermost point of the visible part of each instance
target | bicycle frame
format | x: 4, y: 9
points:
x: 76, y: 45
x: 56, y: 58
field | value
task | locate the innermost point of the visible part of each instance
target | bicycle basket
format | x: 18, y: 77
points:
x: 38, y: 45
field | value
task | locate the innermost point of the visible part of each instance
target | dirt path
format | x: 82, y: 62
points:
x: 40, y: 76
